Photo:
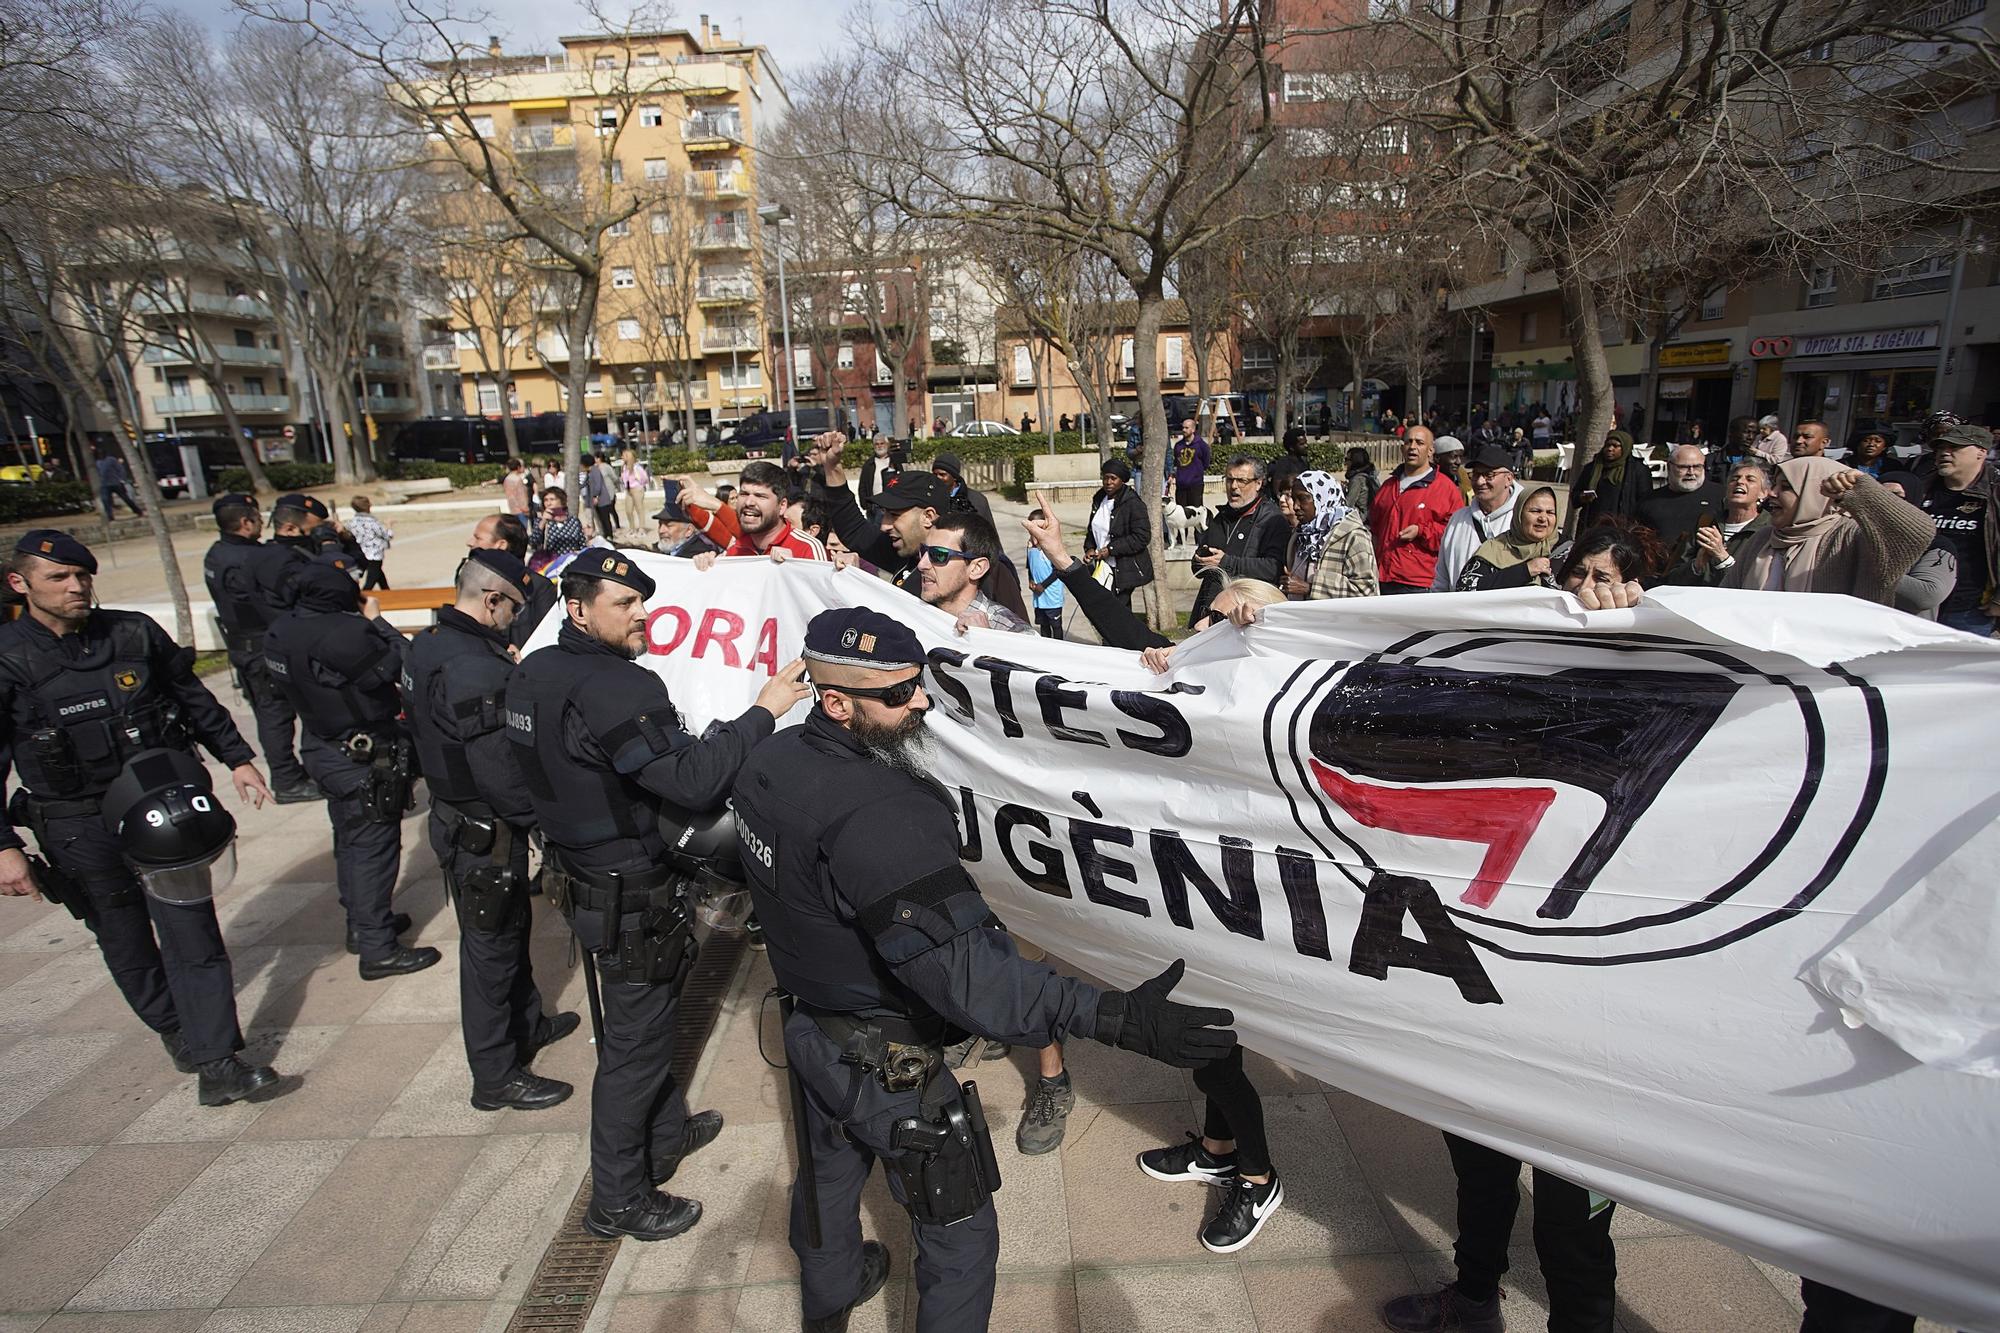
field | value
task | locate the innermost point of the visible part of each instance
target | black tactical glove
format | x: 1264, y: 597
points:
x: 1143, y: 1019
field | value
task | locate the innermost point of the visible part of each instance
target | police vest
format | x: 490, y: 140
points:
x: 315, y: 655
x: 275, y: 566
x: 791, y: 798
x: 580, y: 807
x: 78, y: 719
x: 466, y: 677
x: 243, y: 614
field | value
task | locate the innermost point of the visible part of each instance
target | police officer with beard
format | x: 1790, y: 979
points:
x: 455, y: 695
x: 339, y: 668
x: 600, y: 746
x: 83, y: 691
x: 884, y: 946
x: 230, y: 570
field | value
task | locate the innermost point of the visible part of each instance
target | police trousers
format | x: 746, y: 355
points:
x: 1831, y: 1310
x: 499, y: 1007
x: 275, y: 719
x: 367, y: 854
x: 955, y: 1265
x: 1572, y: 1243
x: 167, y: 958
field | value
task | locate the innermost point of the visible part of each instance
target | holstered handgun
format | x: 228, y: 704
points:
x: 60, y: 889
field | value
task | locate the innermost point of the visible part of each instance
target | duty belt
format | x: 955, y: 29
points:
x: 606, y: 890
x: 902, y: 1052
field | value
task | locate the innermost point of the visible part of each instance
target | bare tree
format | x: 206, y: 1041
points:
x: 485, y: 290
x: 671, y: 284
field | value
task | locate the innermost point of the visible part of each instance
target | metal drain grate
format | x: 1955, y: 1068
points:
x: 571, y: 1273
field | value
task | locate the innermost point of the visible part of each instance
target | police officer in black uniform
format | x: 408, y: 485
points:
x: 504, y: 532
x: 339, y: 668
x: 230, y: 570
x: 883, y: 944
x: 601, y: 746
x: 81, y: 692
x: 455, y: 696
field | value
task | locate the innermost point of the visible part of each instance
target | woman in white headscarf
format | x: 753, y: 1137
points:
x: 1332, y: 554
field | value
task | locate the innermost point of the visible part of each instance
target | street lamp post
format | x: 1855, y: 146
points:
x: 775, y: 216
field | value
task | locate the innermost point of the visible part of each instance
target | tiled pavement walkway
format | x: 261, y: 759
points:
x: 373, y: 1198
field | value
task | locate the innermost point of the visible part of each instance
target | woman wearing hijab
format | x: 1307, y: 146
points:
x: 1611, y: 485
x: 1833, y: 529
x: 1332, y: 553
x: 1519, y: 557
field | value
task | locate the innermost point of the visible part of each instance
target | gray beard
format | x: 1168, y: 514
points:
x: 906, y: 752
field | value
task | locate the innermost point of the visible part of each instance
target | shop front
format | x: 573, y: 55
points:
x: 1872, y: 380
x: 1695, y: 383
x: 1521, y: 382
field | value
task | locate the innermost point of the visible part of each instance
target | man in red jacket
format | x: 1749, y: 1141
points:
x: 1408, y: 517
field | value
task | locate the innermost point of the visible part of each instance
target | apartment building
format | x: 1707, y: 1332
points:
x: 836, y: 361
x: 1036, y: 381
x: 668, y: 119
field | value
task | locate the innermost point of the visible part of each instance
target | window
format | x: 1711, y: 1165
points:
x: 1822, y: 286
x: 882, y: 375
x: 656, y: 168
x: 1531, y: 326
x: 254, y: 386
x: 465, y: 340
x: 802, y: 370
x: 1610, y: 328
x: 483, y: 126
x: 177, y: 385
x: 652, y: 117
x: 605, y: 62
x: 659, y: 224
x: 1259, y: 356
x: 1024, y: 365
x: 628, y: 330
x: 489, y: 399
x: 845, y: 359
x: 1714, y: 304
x: 743, y: 377
x: 607, y: 119
x: 1125, y: 359
x: 672, y: 326
x: 648, y: 60
x: 593, y: 389
x: 1176, y: 358
x: 621, y: 228
x: 621, y: 279
x: 663, y: 276
x: 1387, y: 139
x: 1932, y: 273
x: 614, y: 171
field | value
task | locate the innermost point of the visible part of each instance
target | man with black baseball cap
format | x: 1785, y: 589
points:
x: 602, y: 752
x: 1964, y: 503
x: 910, y: 504
x: 230, y: 571
x: 1491, y: 513
x: 677, y: 531
x: 84, y: 691
x: 883, y: 947
x: 454, y: 691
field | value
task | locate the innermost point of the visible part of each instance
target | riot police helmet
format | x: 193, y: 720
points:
x: 706, y: 848
x: 170, y: 826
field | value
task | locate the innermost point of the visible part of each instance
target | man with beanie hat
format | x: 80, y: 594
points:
x: 947, y: 469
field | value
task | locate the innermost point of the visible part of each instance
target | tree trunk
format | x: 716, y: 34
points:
x: 1153, y: 412
x: 141, y: 468
x: 1593, y: 375
x: 1281, y: 401
x: 245, y: 450
x: 508, y: 430
x: 899, y: 411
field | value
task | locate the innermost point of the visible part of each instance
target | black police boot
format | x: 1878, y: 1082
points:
x: 177, y: 1050
x: 552, y: 1029
x: 298, y: 793
x: 403, y: 961
x: 523, y: 1092
x: 230, y: 1080
x: 398, y: 923
x: 701, y: 1131
x: 658, y: 1216
x: 874, y: 1272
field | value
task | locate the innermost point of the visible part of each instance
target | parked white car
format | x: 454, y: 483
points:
x: 973, y: 430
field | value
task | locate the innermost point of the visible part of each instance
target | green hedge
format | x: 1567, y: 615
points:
x: 284, y: 476
x: 462, y: 476
x: 44, y: 499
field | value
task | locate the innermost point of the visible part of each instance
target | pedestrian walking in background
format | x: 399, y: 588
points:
x: 599, y: 496
x: 375, y: 537
x: 115, y: 483
x: 515, y: 486
x: 634, y: 477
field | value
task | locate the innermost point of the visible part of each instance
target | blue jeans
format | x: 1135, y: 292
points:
x: 1974, y: 621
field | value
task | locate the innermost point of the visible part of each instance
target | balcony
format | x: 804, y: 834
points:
x: 722, y: 238
x: 385, y: 365
x: 729, y: 340
x: 204, y: 404
x: 391, y: 403
x: 441, y: 356
x: 227, y: 353
x: 718, y: 185
x: 705, y: 133
x: 542, y: 138
x: 725, y: 291
x: 381, y: 324
x: 202, y: 303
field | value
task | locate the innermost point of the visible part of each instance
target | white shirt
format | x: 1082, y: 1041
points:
x: 1100, y: 529
x: 1467, y: 530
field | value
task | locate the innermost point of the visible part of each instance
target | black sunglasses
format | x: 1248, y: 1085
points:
x: 944, y: 555
x: 893, y: 696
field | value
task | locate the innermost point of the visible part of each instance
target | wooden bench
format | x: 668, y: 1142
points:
x: 410, y: 600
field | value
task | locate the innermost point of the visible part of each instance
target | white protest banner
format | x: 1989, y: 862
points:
x: 1692, y: 904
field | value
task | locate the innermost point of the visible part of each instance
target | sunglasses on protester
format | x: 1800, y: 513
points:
x: 944, y: 555
x: 892, y: 696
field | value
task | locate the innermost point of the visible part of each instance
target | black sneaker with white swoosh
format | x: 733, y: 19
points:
x: 1246, y: 1206
x: 1188, y: 1161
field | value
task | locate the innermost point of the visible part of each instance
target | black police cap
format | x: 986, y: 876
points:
x: 305, y: 502
x: 858, y: 637
x: 504, y: 563
x: 58, y: 547
x: 611, y: 566
x: 223, y: 502
x: 913, y: 490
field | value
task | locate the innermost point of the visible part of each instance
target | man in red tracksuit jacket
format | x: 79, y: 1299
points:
x: 1408, y: 517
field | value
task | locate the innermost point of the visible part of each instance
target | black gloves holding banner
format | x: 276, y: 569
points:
x: 1143, y: 1019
